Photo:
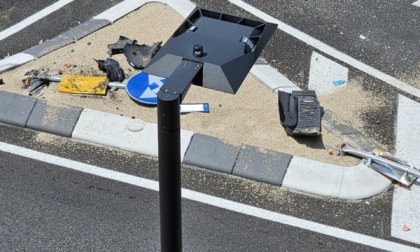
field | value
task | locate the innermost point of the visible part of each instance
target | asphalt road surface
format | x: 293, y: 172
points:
x: 49, y: 207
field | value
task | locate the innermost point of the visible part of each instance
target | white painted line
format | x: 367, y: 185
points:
x: 329, y: 50
x: 14, y: 61
x: 406, y: 211
x: 32, y: 19
x: 417, y: 3
x: 183, y: 7
x: 405, y: 205
x: 407, y: 144
x: 210, y: 200
x: 326, y: 76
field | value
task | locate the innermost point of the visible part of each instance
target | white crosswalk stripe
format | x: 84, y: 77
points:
x: 405, y: 206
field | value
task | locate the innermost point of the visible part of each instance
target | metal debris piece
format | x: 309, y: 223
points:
x: 138, y: 56
x: 392, y: 167
x: 112, y: 68
x: 300, y: 113
x: 35, y: 82
x: 118, y: 47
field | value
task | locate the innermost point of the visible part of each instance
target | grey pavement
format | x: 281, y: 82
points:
x: 250, y: 162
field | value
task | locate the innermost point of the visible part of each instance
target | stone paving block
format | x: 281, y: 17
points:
x: 361, y: 182
x: 261, y: 165
x: 111, y: 130
x: 85, y: 28
x: 68, y: 37
x: 313, y: 177
x: 211, y: 153
x: 49, y: 46
x: 15, y: 109
x: 272, y: 78
x: 56, y: 120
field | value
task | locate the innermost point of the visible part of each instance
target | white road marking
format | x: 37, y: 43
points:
x: 210, y: 200
x: 406, y: 211
x: 32, y: 19
x: 329, y: 49
x: 408, y: 130
x: 417, y: 3
x: 326, y: 76
x: 405, y: 205
x: 14, y: 61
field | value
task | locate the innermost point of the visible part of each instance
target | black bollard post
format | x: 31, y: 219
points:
x: 169, y: 150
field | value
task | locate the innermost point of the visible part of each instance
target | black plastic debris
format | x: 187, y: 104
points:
x: 118, y: 47
x: 112, y: 68
x: 300, y: 113
x: 138, y: 56
x: 1, y: 82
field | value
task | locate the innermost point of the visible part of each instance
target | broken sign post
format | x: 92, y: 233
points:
x: 394, y: 168
x: 209, y: 49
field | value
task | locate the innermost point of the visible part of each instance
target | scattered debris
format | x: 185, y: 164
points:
x: 397, y: 169
x: 33, y: 83
x: 362, y: 37
x: 339, y: 82
x: 199, y: 107
x: 40, y: 42
x: 76, y: 84
x: 138, y: 56
x: 330, y: 151
x: 118, y: 47
x: 79, y: 84
x: 405, y: 228
x: 65, y: 66
x: 112, y: 68
x: 300, y: 113
x: 1, y: 82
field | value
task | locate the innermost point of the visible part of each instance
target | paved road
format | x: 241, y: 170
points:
x: 49, y: 27
x: 44, y: 198
x: 61, y: 208
x: 382, y: 34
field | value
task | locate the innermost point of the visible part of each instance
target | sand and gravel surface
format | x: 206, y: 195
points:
x: 249, y: 117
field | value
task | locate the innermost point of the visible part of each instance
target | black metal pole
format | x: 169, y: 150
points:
x: 169, y: 173
x: 169, y: 151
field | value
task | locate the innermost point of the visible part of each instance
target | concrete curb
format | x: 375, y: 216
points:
x: 304, y: 175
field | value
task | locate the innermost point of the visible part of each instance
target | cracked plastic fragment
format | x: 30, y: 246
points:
x: 138, y: 56
x: 112, y: 68
x: 118, y: 47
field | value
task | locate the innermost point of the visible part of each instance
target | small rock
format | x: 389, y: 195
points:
x: 330, y: 151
